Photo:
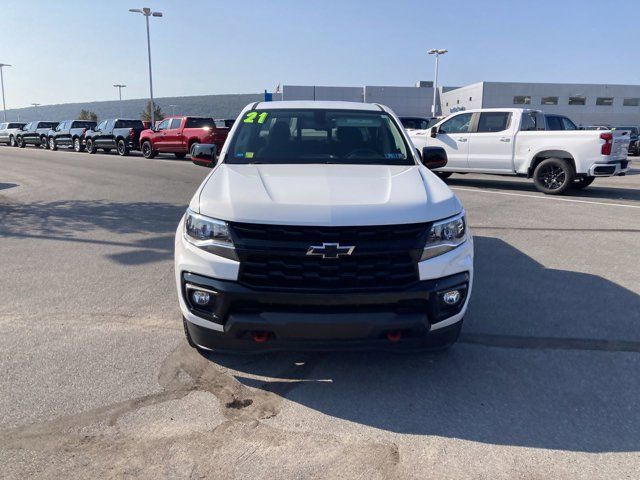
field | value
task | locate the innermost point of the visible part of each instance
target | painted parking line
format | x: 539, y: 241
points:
x: 539, y: 197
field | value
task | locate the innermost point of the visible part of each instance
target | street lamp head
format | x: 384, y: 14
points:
x: 146, y: 10
x: 442, y: 52
x: 437, y: 51
x: 136, y: 10
x: 4, y: 65
x: 157, y: 14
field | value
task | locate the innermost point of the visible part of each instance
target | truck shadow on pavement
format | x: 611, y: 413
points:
x: 567, y: 380
x: 592, y: 192
x: 144, y: 229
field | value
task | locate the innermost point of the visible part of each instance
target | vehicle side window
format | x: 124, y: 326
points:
x: 458, y: 124
x: 568, y: 124
x: 554, y: 123
x: 528, y: 123
x: 163, y: 125
x: 493, y: 122
x: 3, y: 126
x: 175, y: 123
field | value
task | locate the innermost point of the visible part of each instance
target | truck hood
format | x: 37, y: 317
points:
x: 322, y: 194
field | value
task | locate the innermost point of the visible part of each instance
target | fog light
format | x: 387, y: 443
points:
x: 200, y: 298
x: 452, y: 297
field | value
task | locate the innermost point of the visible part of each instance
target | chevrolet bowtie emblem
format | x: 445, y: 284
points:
x: 330, y: 250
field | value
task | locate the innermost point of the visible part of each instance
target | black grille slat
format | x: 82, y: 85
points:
x: 274, y: 256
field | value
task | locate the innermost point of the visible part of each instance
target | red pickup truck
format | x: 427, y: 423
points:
x: 178, y: 135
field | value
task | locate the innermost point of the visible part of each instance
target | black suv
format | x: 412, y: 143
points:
x: 35, y: 133
x: 124, y: 135
x: 70, y: 133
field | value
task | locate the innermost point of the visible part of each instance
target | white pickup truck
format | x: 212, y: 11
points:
x: 515, y: 141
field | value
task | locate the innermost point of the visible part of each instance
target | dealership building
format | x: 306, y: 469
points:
x: 585, y: 104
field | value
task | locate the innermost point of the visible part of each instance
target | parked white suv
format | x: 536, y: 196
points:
x: 8, y: 131
x: 514, y: 141
x: 319, y: 226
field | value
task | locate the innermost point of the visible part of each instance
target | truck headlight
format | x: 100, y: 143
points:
x: 444, y: 236
x: 209, y: 234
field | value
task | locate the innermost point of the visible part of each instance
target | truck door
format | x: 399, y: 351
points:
x: 172, y: 136
x: 160, y: 137
x: 491, y: 143
x: 453, y: 136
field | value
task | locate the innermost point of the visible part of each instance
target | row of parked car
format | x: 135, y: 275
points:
x: 177, y: 135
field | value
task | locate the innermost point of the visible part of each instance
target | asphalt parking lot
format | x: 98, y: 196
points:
x: 98, y: 382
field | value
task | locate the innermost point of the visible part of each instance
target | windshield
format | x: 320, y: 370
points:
x: 47, y: 125
x: 318, y: 136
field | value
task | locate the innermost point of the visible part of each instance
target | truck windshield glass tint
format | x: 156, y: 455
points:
x: 318, y: 136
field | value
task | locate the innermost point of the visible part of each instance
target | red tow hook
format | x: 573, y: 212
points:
x: 394, y: 335
x: 259, y: 336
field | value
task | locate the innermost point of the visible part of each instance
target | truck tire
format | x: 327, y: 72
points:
x: 180, y: 156
x: 44, y: 143
x: 554, y: 176
x: 52, y: 144
x: 12, y: 141
x: 583, y: 182
x: 91, y: 148
x: 77, y: 145
x: 20, y: 142
x: 147, y: 149
x: 123, y: 150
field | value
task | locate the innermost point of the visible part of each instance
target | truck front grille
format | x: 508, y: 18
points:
x: 275, y: 256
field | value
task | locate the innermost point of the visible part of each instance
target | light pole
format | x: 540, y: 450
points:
x: 120, y: 87
x: 437, y: 53
x: 173, y: 110
x: 148, y: 13
x: 4, y: 107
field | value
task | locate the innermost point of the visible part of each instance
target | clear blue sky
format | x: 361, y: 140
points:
x: 75, y: 50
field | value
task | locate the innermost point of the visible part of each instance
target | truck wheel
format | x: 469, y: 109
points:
x: 12, y: 141
x: 91, y: 148
x: 554, y: 176
x: 52, y: 144
x: 44, y: 143
x: 180, y: 155
x: 77, y: 145
x: 583, y: 182
x: 147, y: 150
x: 123, y: 150
x: 20, y: 142
x: 443, y: 175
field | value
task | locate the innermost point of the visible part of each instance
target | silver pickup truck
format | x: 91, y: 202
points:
x: 8, y: 132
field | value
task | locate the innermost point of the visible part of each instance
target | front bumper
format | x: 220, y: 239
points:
x: 299, y: 317
x: 304, y: 319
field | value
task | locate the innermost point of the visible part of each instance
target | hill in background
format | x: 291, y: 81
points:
x: 216, y: 106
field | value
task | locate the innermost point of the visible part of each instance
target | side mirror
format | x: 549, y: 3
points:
x: 204, y: 155
x: 434, y: 157
x: 434, y: 132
